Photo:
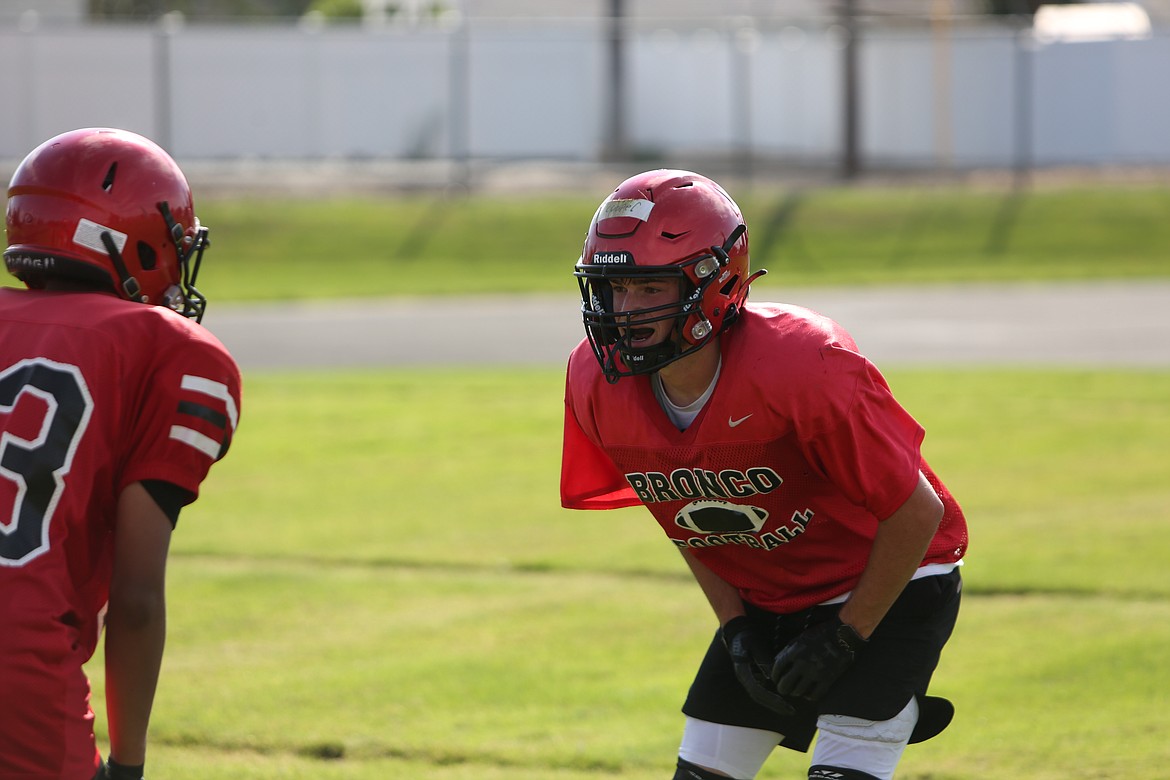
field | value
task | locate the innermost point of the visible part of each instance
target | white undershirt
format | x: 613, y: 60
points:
x: 926, y: 570
x: 683, y: 416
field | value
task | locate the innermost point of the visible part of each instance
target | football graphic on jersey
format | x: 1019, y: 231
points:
x: 720, y: 517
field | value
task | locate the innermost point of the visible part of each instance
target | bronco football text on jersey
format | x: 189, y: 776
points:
x: 684, y: 484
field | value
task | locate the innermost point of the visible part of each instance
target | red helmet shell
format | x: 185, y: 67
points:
x: 665, y: 218
x: 78, y: 185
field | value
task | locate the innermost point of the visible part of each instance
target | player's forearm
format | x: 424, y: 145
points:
x: 898, y: 549
x: 135, y: 636
x: 723, y: 598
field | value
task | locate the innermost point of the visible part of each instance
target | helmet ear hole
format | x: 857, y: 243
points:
x: 146, y: 256
x: 108, y: 182
x: 727, y: 288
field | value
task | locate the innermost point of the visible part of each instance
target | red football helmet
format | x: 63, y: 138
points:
x: 659, y: 224
x: 107, y: 206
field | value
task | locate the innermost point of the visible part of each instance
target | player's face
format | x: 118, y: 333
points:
x: 636, y: 294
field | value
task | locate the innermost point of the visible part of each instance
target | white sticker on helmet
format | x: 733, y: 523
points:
x: 89, y: 235
x: 626, y: 207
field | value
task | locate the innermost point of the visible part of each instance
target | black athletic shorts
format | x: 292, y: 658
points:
x: 897, y: 663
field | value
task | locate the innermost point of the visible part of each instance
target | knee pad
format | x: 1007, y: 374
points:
x: 822, y: 772
x: 688, y: 771
x: 736, y: 751
x: 858, y: 749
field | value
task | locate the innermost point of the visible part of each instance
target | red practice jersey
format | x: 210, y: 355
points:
x: 779, y: 484
x: 96, y: 393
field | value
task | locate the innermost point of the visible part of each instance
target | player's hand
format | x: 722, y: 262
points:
x: 752, y: 659
x: 809, y: 665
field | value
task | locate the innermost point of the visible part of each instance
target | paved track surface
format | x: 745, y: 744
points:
x: 1110, y: 324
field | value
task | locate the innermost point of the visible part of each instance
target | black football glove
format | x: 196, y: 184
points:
x: 809, y: 665
x: 751, y: 656
x: 112, y: 770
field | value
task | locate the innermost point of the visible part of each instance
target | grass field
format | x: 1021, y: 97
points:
x: 410, y: 246
x: 379, y: 581
x: 428, y: 244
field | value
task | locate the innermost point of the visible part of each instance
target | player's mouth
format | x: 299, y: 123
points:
x: 640, y: 337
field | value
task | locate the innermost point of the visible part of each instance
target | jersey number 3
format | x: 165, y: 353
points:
x: 35, y: 457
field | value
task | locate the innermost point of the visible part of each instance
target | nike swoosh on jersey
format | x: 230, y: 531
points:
x: 732, y: 423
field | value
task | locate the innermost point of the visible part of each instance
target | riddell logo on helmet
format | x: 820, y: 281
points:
x: 30, y: 262
x: 613, y: 258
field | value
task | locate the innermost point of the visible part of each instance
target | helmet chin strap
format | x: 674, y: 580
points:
x: 127, y: 283
x: 645, y: 360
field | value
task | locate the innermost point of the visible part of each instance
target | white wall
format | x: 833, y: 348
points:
x: 537, y: 89
x: 26, y: 11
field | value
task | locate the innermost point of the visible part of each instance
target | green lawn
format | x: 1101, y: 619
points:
x: 379, y: 582
x: 428, y: 244
x: 431, y: 245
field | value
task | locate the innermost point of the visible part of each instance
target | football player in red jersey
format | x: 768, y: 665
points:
x: 114, y: 403
x: 776, y: 459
